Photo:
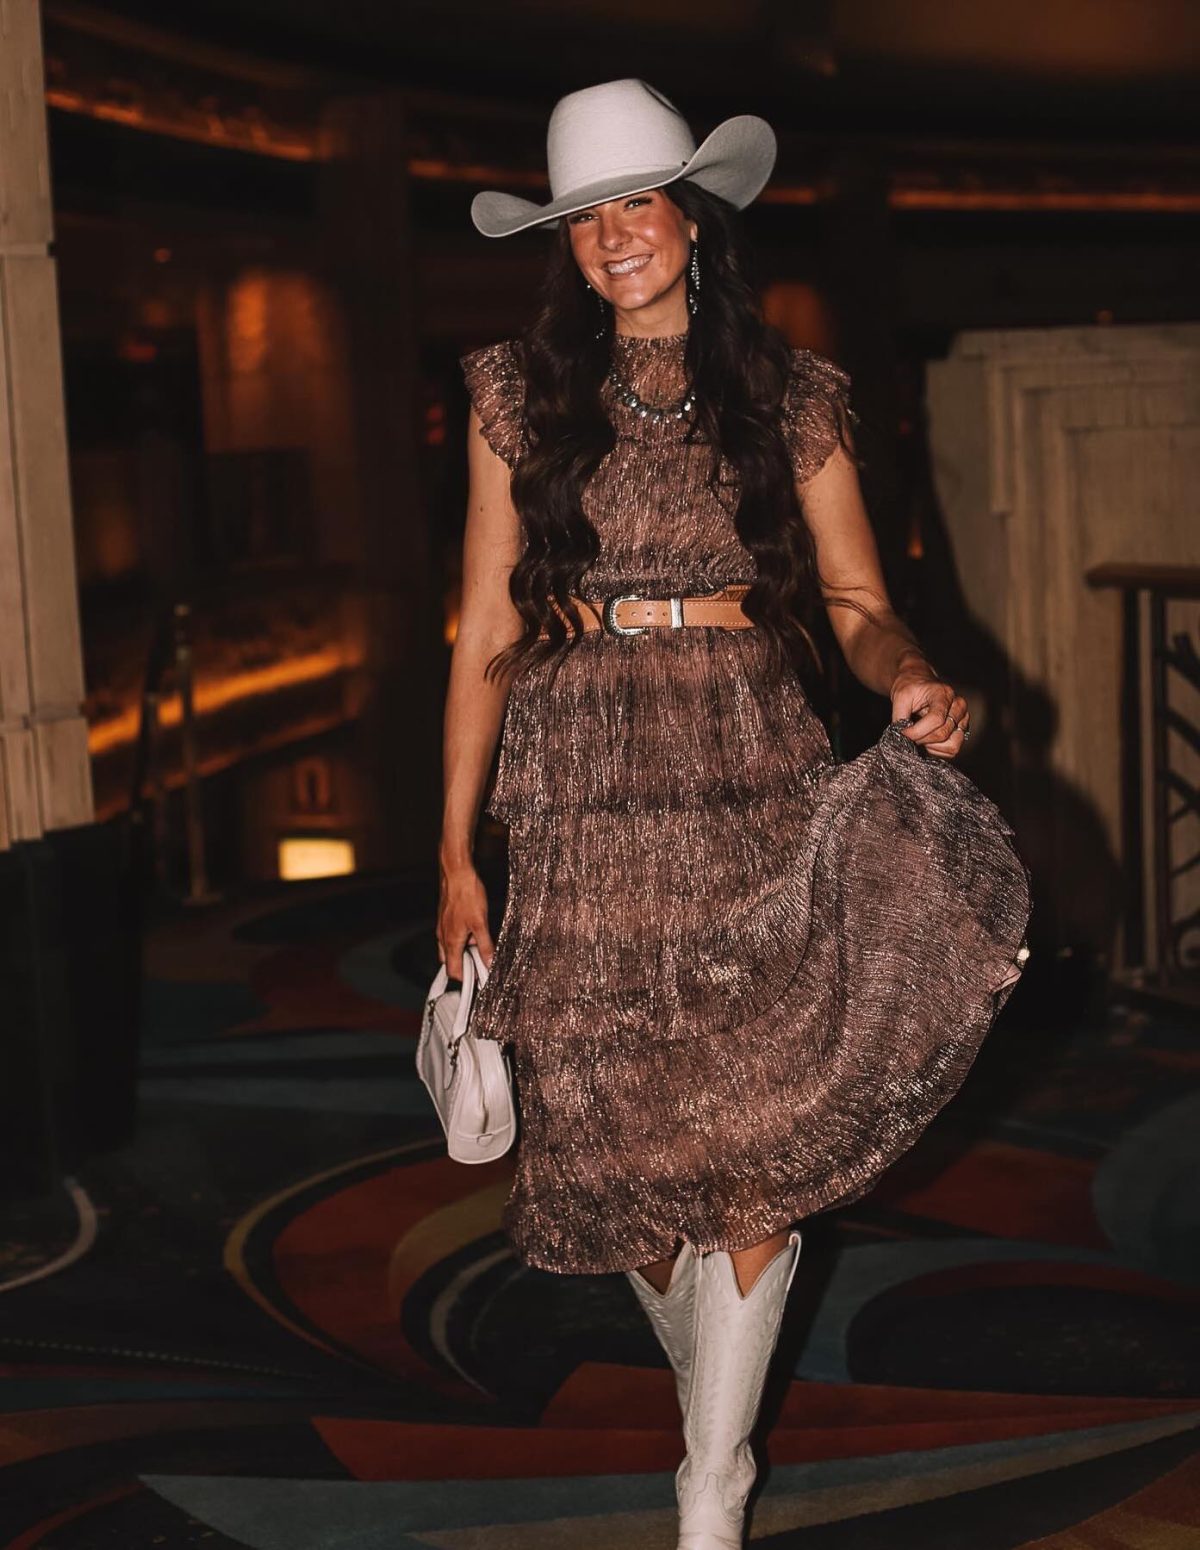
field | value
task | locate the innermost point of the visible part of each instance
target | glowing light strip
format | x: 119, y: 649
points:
x: 1132, y: 200
x: 256, y: 138
x: 301, y: 145
x: 902, y: 198
x: 215, y: 694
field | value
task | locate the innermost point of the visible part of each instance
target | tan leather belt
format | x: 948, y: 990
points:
x: 629, y: 613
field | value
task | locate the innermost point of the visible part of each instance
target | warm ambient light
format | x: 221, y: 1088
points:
x: 309, y: 856
x: 247, y: 131
x: 213, y: 695
x: 251, y: 132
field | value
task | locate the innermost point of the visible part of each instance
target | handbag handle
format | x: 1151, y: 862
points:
x: 475, y: 971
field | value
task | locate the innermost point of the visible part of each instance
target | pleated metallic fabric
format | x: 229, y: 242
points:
x: 737, y: 977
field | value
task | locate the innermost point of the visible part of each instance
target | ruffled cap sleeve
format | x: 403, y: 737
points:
x: 497, y: 391
x: 815, y: 412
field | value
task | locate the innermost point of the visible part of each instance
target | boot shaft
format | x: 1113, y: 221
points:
x: 671, y: 1315
x: 735, y: 1336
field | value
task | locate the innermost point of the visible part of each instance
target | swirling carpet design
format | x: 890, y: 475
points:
x: 283, y: 1319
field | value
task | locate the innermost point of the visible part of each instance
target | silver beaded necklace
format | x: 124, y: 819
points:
x: 656, y: 413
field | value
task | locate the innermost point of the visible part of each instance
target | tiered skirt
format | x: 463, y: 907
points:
x: 737, y: 978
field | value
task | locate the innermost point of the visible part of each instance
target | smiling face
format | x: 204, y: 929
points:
x: 634, y: 251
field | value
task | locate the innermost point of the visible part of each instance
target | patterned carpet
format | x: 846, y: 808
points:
x: 283, y: 1319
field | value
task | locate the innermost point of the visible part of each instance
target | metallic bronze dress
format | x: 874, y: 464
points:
x: 737, y: 978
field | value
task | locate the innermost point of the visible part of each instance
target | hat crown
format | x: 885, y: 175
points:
x: 622, y: 138
x: 612, y: 129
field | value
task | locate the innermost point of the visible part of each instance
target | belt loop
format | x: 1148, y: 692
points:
x: 676, y: 612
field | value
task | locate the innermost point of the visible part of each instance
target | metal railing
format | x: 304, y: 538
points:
x: 1174, y: 796
x: 170, y: 669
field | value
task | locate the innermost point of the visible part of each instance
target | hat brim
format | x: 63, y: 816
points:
x: 734, y: 162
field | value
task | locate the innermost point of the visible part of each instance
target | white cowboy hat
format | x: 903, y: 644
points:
x: 623, y: 137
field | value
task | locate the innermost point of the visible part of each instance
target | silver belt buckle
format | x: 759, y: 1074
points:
x: 609, y: 619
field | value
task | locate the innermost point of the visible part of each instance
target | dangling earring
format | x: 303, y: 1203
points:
x: 694, y: 272
x: 602, y: 327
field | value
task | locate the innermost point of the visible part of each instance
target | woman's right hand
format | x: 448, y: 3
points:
x: 462, y: 915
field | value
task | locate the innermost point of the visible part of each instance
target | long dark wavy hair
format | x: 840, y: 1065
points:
x: 738, y: 365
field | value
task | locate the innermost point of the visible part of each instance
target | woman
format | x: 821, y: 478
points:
x: 737, y: 979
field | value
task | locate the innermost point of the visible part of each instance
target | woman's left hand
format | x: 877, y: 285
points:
x: 943, y: 719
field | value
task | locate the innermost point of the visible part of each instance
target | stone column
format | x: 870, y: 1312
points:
x: 69, y: 980
x: 859, y: 280
x: 45, y: 777
x: 859, y: 284
x: 1055, y: 450
x: 369, y: 264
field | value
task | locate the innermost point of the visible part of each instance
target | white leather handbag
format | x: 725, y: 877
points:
x: 469, y: 1079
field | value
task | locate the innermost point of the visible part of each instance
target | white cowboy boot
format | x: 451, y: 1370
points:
x: 671, y: 1312
x: 735, y: 1339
